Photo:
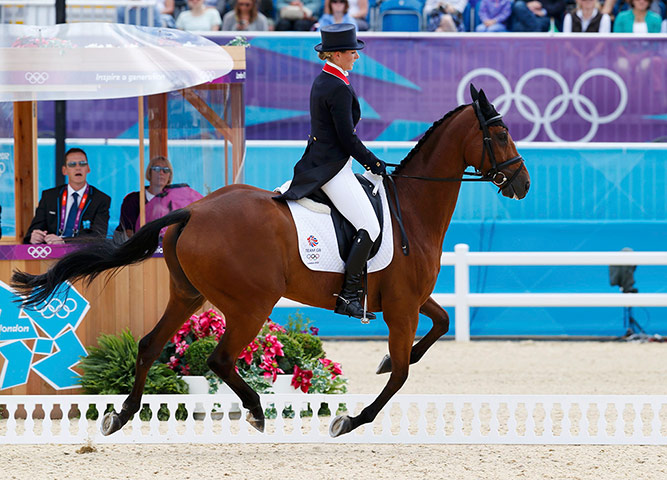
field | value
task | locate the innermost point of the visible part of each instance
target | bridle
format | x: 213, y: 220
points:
x: 493, y: 175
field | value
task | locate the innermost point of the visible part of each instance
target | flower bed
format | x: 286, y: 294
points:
x: 294, y: 349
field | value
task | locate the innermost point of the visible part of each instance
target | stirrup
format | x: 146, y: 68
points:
x: 342, y: 308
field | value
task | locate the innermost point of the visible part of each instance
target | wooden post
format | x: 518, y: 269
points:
x: 25, y: 193
x: 157, y: 125
x: 142, y: 187
x: 237, y: 102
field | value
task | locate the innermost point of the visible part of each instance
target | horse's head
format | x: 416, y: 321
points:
x: 504, y: 167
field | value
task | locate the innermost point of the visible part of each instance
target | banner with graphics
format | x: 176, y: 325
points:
x: 41, y: 340
x: 551, y: 88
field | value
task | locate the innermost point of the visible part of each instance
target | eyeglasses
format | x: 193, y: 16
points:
x: 81, y: 163
x: 155, y: 168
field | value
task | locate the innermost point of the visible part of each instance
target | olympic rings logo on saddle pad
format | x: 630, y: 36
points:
x: 58, y: 308
x: 39, y: 251
x: 36, y: 77
x: 558, y: 105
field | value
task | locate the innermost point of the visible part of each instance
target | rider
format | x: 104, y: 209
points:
x: 327, y: 162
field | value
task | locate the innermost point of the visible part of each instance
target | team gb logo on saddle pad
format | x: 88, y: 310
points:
x: 312, y: 241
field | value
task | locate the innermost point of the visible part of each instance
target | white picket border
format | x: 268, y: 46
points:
x: 407, y: 419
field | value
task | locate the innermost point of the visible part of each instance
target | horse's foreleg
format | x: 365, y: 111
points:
x: 440, y: 326
x: 177, y: 312
x: 401, y: 335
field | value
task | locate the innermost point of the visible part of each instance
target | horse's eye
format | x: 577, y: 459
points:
x: 502, y: 136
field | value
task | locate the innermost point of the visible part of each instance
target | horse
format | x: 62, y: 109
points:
x: 237, y: 248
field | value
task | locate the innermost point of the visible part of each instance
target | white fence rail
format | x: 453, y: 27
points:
x: 462, y: 259
x: 43, y: 12
x: 423, y: 419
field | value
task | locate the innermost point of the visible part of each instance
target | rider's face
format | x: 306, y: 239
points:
x: 346, y: 59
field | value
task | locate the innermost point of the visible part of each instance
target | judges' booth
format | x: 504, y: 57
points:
x: 164, y: 92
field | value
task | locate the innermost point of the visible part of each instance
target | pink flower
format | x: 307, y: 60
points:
x: 248, y: 352
x: 270, y: 366
x: 314, y: 330
x: 185, y: 370
x: 301, y: 379
x: 181, y: 347
x: 273, y: 346
x: 334, y: 367
x: 173, y: 362
x: 274, y: 327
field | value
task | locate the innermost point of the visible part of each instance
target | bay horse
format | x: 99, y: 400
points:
x: 237, y: 247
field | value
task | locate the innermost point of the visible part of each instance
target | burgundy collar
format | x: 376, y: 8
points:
x: 334, y: 71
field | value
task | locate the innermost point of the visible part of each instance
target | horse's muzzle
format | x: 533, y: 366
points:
x: 515, y: 184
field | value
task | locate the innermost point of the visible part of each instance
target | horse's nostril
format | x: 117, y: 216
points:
x: 527, y: 186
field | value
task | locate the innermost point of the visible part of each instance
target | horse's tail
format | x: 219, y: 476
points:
x: 92, y: 260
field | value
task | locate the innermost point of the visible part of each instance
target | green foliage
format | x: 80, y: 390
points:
x: 312, y: 346
x: 197, y: 354
x: 109, y: 369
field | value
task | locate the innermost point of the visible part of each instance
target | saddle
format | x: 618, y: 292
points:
x: 345, y: 231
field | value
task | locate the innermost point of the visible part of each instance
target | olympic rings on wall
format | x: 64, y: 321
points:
x: 58, y: 308
x: 558, y: 105
x: 36, y: 78
x: 39, y: 251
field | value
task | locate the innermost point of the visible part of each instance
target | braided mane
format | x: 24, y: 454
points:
x: 426, y: 135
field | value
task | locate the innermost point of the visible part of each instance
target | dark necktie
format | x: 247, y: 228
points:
x: 69, y: 226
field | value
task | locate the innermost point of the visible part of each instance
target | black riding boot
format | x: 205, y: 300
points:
x: 348, y: 301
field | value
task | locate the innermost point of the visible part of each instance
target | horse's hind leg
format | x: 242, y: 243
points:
x: 440, y: 326
x: 243, y: 326
x: 178, y: 310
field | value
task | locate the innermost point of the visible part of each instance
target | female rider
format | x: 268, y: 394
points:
x: 326, y: 163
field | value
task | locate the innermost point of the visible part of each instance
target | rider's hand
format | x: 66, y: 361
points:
x: 378, y: 167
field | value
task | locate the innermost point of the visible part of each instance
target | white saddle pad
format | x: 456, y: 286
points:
x: 318, y: 246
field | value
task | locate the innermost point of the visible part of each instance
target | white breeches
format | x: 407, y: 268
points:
x: 349, y: 197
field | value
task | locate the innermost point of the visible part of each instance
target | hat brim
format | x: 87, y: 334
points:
x: 360, y: 45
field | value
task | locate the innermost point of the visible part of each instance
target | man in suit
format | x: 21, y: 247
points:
x: 74, y: 210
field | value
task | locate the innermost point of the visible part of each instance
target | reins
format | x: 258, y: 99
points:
x: 494, y: 175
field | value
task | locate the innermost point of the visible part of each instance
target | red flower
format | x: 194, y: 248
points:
x: 334, y: 367
x: 270, y: 366
x: 272, y: 346
x: 314, y: 330
x: 301, y: 379
x: 248, y: 352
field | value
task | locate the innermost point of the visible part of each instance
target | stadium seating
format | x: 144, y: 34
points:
x: 401, y: 16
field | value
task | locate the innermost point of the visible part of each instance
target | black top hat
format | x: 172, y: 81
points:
x: 339, y: 37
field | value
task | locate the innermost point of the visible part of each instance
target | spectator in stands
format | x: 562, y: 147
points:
x: 535, y: 16
x: 74, y: 210
x: 199, y: 17
x: 587, y: 18
x: 335, y: 11
x: 245, y: 17
x: 443, y: 16
x: 494, y: 15
x: 638, y: 20
x: 166, y: 12
x: 359, y: 11
x: 297, y: 15
x: 613, y: 7
x: 161, y: 197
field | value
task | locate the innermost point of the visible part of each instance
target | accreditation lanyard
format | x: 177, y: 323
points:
x: 63, y: 211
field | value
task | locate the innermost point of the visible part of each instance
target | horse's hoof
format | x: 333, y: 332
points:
x: 110, y: 423
x: 385, y: 365
x: 257, y: 423
x: 340, y: 425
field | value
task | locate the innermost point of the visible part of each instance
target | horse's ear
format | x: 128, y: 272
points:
x: 482, y: 98
x: 473, y: 92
